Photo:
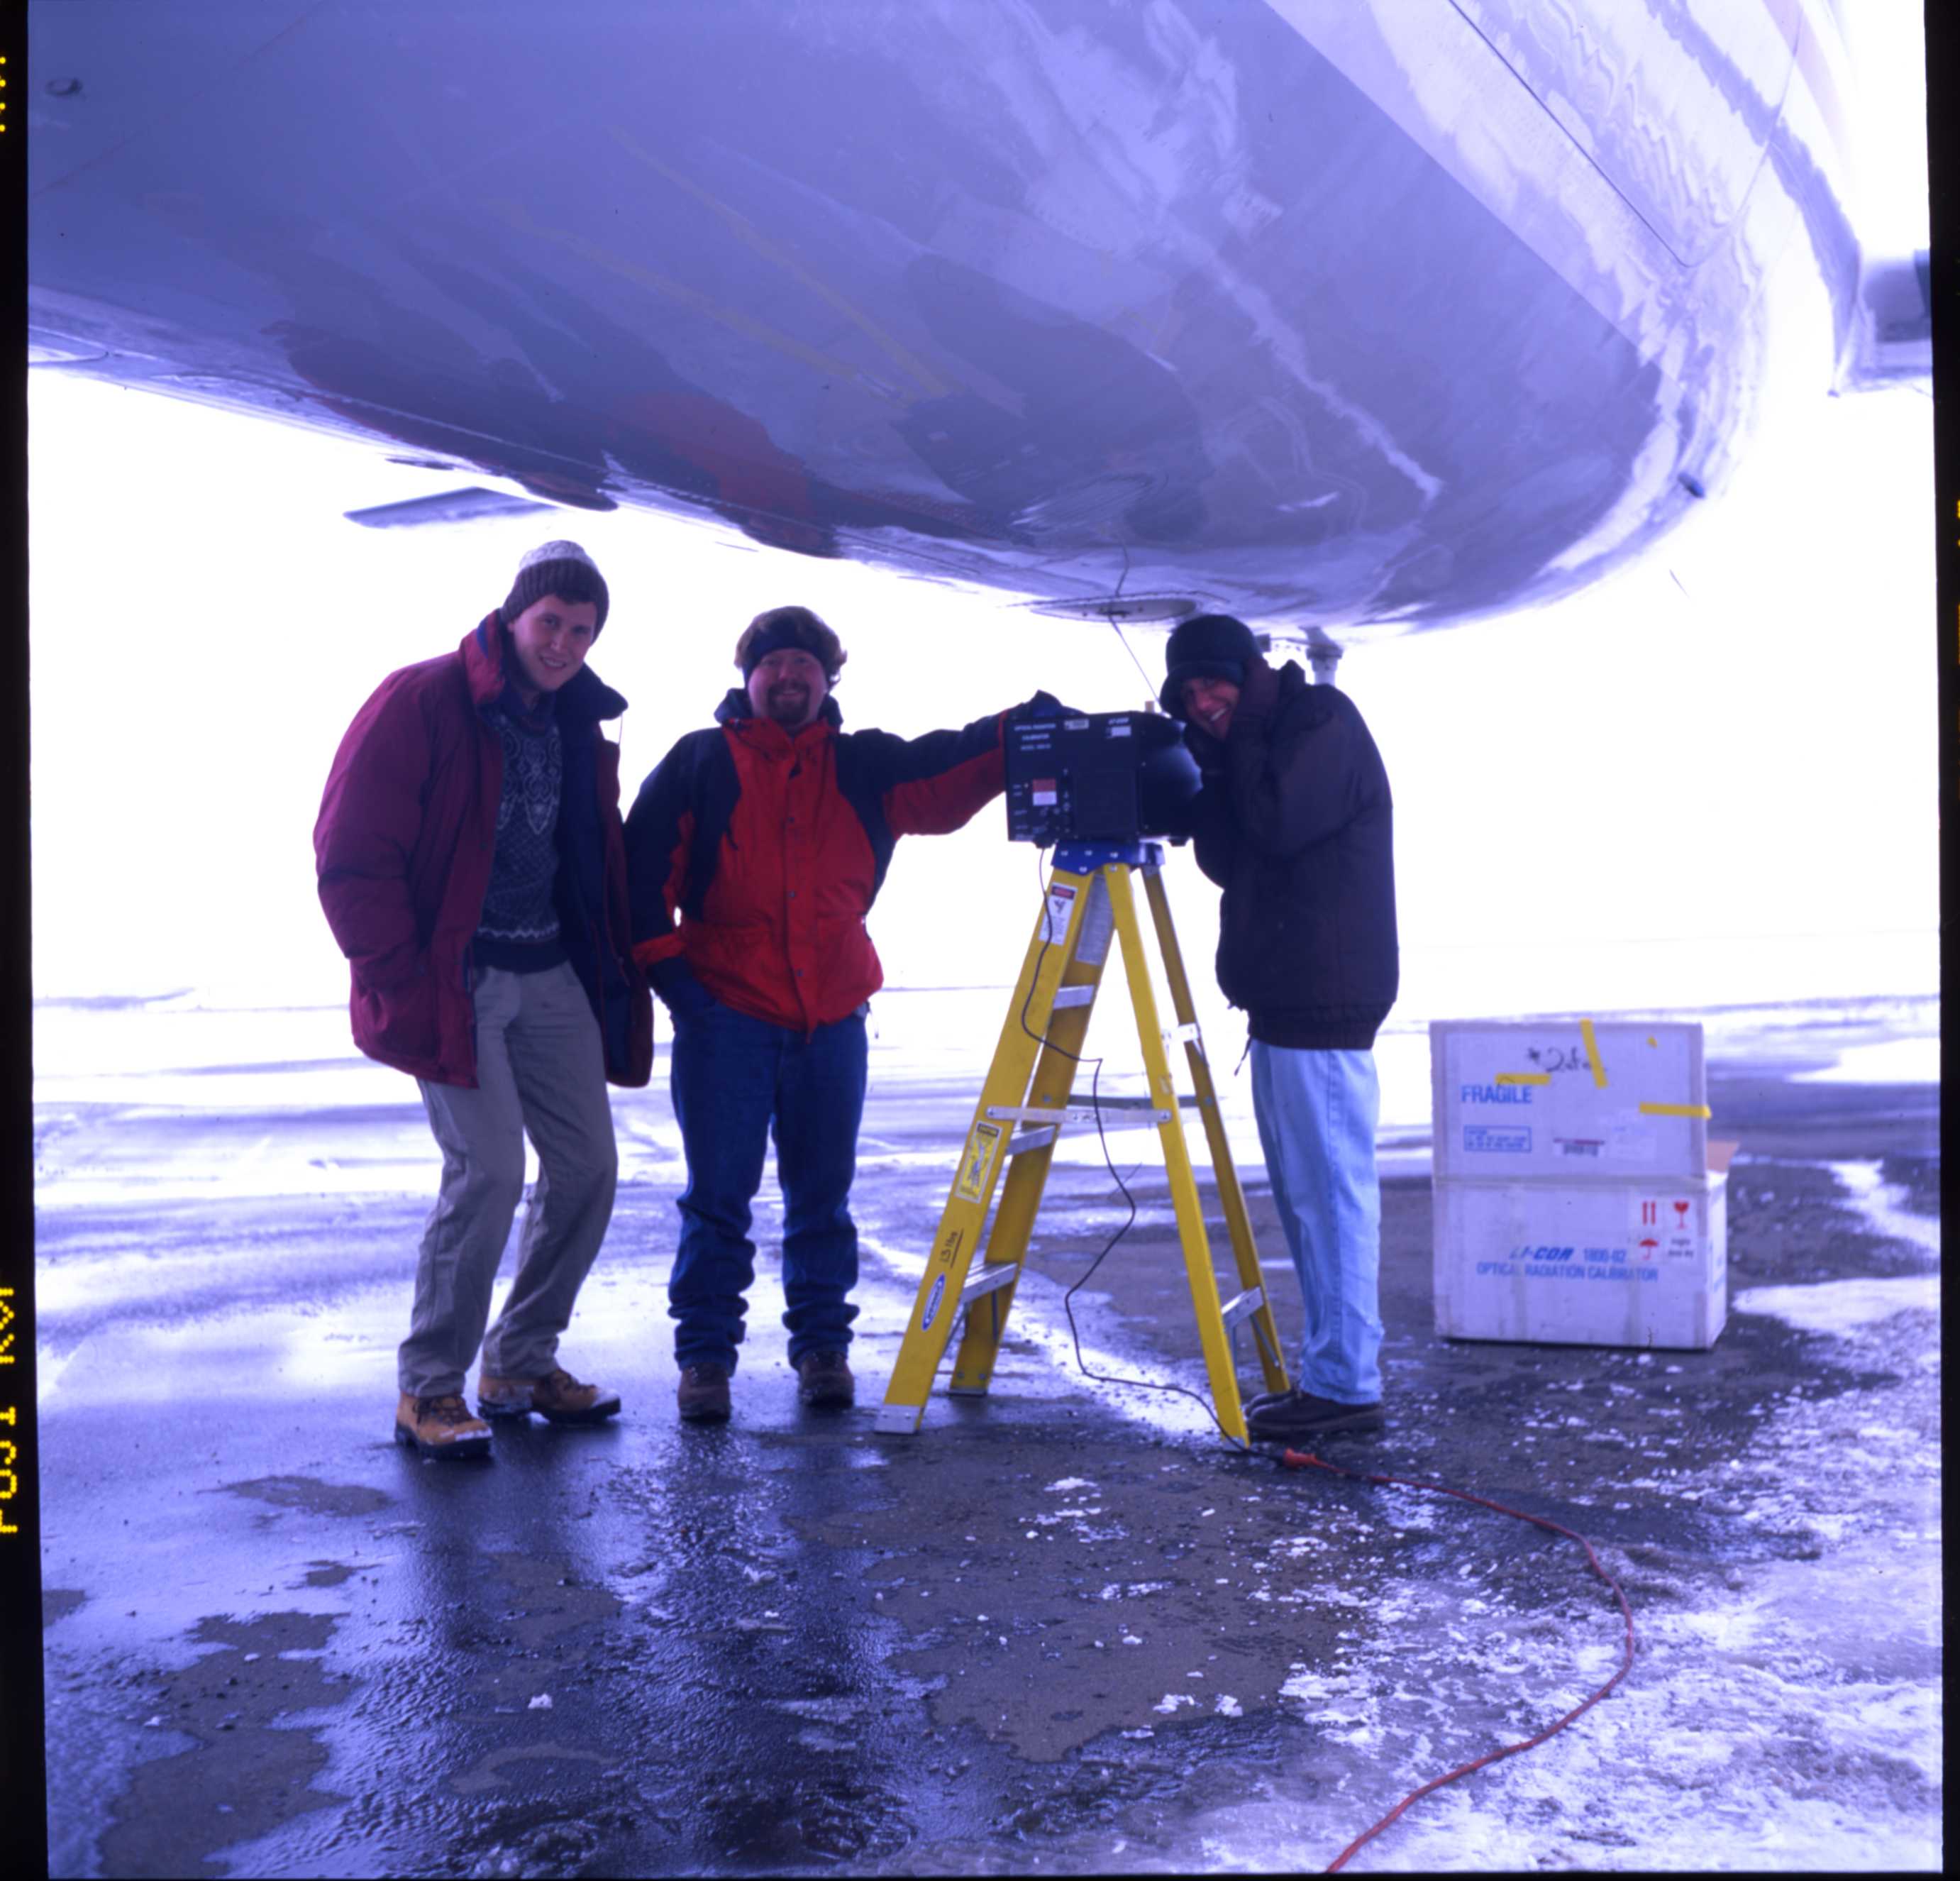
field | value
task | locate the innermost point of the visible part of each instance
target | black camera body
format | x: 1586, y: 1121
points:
x: 1111, y: 777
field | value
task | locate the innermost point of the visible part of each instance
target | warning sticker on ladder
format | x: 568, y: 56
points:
x: 1060, y: 905
x: 977, y: 1164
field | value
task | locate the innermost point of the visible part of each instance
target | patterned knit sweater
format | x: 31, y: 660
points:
x: 519, y: 930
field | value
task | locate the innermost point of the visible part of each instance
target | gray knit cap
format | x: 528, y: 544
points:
x: 561, y: 568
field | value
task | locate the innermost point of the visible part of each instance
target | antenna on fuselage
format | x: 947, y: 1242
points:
x: 1321, y: 652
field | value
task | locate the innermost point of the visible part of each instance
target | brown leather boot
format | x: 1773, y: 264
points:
x: 558, y: 1397
x: 824, y: 1380
x: 703, y: 1396
x: 440, y: 1427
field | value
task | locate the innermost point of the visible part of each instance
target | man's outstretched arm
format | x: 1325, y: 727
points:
x: 938, y: 782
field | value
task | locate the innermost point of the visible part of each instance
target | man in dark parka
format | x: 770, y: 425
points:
x: 1293, y: 822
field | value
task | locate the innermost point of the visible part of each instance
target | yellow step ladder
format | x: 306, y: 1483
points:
x: 1024, y: 1103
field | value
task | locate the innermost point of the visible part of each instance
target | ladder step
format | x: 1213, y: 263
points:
x: 1076, y: 1113
x: 1247, y: 1303
x: 1073, y: 996
x: 1142, y: 1103
x: 1022, y: 1140
x: 988, y: 1280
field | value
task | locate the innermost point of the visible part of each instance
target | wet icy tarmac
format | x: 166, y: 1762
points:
x: 1067, y: 1629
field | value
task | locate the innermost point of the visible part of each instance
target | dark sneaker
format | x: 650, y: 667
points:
x: 703, y: 1396
x: 440, y: 1427
x: 1297, y: 1415
x: 558, y: 1397
x: 824, y: 1380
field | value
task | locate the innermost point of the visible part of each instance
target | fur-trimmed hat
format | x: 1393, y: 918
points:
x: 561, y: 568
x: 778, y: 627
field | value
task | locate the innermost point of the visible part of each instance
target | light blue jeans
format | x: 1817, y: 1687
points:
x: 1317, y: 1113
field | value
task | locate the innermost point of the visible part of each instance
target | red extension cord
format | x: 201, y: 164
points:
x: 1301, y: 1460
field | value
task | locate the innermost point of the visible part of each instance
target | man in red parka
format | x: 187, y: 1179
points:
x: 758, y: 846
x: 473, y: 866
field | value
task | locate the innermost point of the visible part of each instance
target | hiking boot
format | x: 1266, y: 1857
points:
x: 440, y: 1427
x: 1297, y: 1415
x: 558, y: 1397
x: 824, y: 1380
x: 703, y: 1396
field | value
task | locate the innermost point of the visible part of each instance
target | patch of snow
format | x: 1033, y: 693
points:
x: 1841, y: 1306
x: 1889, y: 1061
x: 1759, y: 1730
x: 1880, y: 1203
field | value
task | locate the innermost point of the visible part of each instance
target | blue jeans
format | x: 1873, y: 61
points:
x: 1317, y: 1113
x: 736, y: 1081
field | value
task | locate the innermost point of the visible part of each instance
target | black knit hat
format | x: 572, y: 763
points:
x: 561, y: 568
x: 1205, y: 647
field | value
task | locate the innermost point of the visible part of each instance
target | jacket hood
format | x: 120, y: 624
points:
x: 584, y: 696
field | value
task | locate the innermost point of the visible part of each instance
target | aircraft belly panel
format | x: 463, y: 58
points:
x: 1024, y: 297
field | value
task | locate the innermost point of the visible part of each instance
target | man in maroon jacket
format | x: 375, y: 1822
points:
x: 472, y: 863
x: 758, y: 846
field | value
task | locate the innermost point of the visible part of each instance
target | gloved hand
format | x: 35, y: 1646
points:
x: 679, y: 992
x: 1259, y: 693
x: 1043, y: 705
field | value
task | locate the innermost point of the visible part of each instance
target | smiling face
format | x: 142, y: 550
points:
x: 788, y: 686
x: 550, y: 640
x: 1209, y: 703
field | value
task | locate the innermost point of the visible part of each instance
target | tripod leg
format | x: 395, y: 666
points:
x: 1020, y: 1199
x: 1212, y: 1335
x: 1232, y: 1197
x: 1049, y: 953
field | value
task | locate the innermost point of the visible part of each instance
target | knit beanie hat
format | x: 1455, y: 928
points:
x: 1205, y: 647
x: 561, y: 568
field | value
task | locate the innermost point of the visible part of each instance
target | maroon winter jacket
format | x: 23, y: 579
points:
x: 406, y: 834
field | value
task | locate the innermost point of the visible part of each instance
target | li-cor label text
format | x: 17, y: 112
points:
x: 1566, y: 1263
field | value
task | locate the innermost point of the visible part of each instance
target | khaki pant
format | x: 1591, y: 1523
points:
x: 540, y: 1068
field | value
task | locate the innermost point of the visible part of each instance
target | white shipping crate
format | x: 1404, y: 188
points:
x: 1627, y: 1263
x: 1513, y: 1099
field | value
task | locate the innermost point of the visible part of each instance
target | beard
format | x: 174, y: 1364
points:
x: 787, y: 704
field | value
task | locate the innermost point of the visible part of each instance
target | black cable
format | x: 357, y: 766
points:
x: 1149, y: 692
x: 1096, y: 1103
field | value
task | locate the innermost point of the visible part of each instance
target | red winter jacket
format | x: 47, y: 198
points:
x: 406, y: 834
x: 755, y: 855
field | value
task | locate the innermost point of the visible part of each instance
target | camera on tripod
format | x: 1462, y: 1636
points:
x: 1098, y: 777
